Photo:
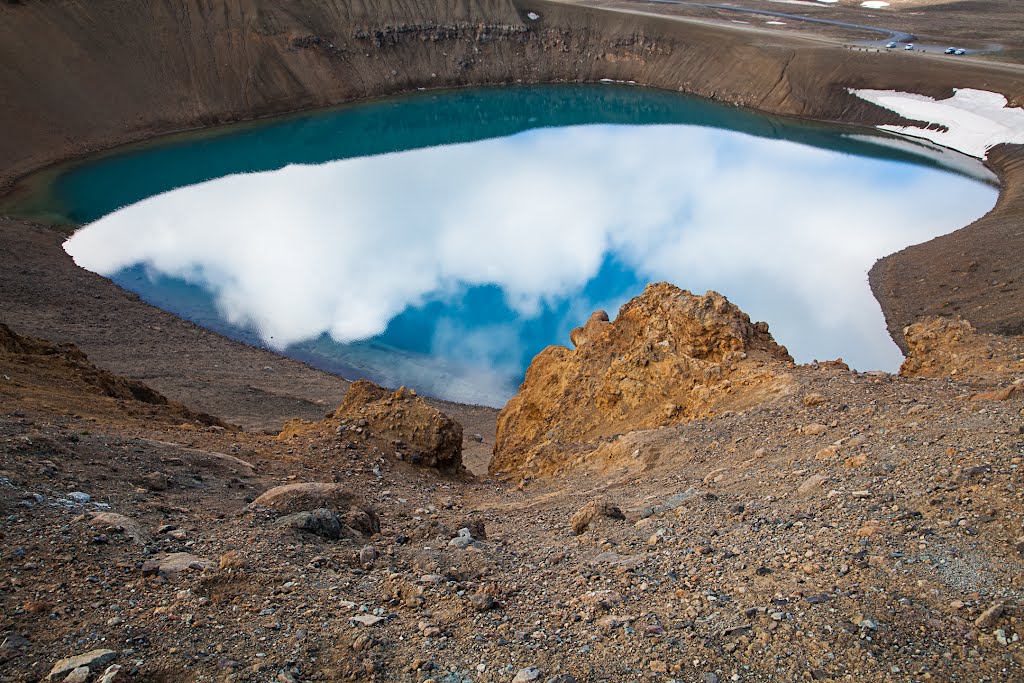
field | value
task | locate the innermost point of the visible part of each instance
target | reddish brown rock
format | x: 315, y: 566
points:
x: 595, y: 509
x: 669, y: 357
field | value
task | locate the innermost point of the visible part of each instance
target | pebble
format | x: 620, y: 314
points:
x: 79, y: 675
x: 811, y: 484
x: 367, y: 556
x: 483, y: 601
x: 527, y: 674
x: 989, y: 616
x: 113, y: 674
x: 463, y: 540
x: 79, y: 497
x: 92, y: 660
x: 156, y: 481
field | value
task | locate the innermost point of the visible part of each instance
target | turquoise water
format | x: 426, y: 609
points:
x: 441, y: 240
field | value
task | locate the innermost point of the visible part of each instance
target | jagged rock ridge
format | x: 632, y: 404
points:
x: 669, y: 357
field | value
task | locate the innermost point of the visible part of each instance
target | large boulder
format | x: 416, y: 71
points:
x: 669, y: 357
x: 319, y: 507
x: 422, y: 434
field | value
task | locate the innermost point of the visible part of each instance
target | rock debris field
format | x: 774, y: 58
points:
x: 789, y: 523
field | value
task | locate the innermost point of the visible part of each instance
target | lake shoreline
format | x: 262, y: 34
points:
x: 493, y: 42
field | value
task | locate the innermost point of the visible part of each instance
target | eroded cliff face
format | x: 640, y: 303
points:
x: 85, y: 76
x: 669, y: 357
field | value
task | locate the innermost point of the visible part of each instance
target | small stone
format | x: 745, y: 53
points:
x: 869, y: 529
x: 599, y: 507
x: 814, y: 429
x: 989, y: 616
x: 79, y: 497
x: 156, y: 481
x: 1001, y: 638
x: 561, y: 678
x: 709, y: 677
x: 463, y: 540
x: 856, y: 461
x: 367, y: 556
x: 321, y: 522
x: 867, y: 625
x: 79, y: 675
x: 602, y: 599
x: 92, y: 661
x: 813, y: 400
x: 827, y: 453
x: 178, y: 534
x: 483, y: 601
x: 811, y: 484
x: 366, y: 619
x: 171, y: 565
x: 525, y: 675
x: 658, y: 666
x: 113, y: 674
x: 362, y: 642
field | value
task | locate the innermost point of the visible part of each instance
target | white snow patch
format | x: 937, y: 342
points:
x: 874, y: 4
x: 829, y: 2
x: 532, y: 16
x: 775, y: 23
x: 975, y: 120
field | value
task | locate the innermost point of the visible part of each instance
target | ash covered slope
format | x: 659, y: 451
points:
x: 61, y: 377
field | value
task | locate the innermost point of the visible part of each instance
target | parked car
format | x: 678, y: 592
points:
x: 960, y: 51
x: 909, y: 46
x: 950, y: 50
x: 890, y: 45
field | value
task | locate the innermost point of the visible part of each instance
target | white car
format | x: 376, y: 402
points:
x: 890, y: 45
x: 909, y: 46
x: 960, y: 51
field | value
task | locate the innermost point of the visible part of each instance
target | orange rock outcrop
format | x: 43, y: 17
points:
x: 669, y: 357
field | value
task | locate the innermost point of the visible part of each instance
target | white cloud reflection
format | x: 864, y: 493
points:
x: 786, y: 231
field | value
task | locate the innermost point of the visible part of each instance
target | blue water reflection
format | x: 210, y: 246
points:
x: 447, y: 268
